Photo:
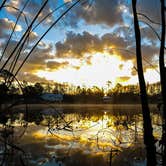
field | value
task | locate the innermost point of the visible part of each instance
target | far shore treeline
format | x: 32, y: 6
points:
x: 75, y: 94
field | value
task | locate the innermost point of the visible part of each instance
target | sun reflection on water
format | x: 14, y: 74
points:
x: 88, y: 133
x: 103, y: 132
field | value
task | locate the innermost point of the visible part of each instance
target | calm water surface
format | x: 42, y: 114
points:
x: 75, y: 135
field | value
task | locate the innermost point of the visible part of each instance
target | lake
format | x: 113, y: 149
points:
x: 75, y: 135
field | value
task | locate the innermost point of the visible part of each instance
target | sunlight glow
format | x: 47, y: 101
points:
x: 102, y: 68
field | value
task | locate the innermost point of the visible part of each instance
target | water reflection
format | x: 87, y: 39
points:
x: 74, y: 136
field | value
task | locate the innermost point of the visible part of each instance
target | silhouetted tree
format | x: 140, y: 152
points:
x: 29, y: 91
x: 163, y: 76
x: 147, y: 125
x: 38, y: 88
x: 3, y: 93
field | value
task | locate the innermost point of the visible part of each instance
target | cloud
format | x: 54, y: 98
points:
x: 123, y: 79
x: 78, y: 45
x: 36, y: 61
x: 67, y: 1
x: 83, y: 46
x: 146, y: 32
x: 31, y: 10
x: 15, y: 4
x: 33, y: 36
x: 29, y: 77
x: 107, y: 12
x: 40, y: 54
x: 121, y: 66
x: 114, y: 40
x: 149, y: 52
x: 33, y: 67
x: 134, y: 71
x: 12, y: 44
x: 7, y: 25
x: 88, y: 60
x: 34, y: 7
x: 54, y: 65
x: 150, y: 8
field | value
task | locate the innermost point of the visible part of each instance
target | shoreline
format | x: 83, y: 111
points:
x: 64, y: 105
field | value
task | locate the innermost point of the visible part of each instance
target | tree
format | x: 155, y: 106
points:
x: 3, y: 94
x: 147, y: 125
x: 3, y: 89
x: 117, y: 88
x: 163, y: 77
x: 29, y: 91
x: 13, y: 57
x: 108, y: 83
x: 38, y: 88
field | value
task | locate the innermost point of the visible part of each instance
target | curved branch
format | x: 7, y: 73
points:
x: 21, y: 12
x: 12, y: 67
x: 21, y: 47
x: 62, y: 15
x: 24, y: 35
x: 154, y: 31
x: 9, y: 6
x: 2, y: 5
x: 149, y: 19
x: 49, y: 14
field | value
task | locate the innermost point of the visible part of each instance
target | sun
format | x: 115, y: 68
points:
x: 103, y: 67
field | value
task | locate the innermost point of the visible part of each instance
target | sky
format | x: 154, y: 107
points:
x: 92, y: 44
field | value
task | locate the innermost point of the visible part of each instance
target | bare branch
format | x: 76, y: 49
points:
x: 149, y: 19
x: 2, y: 5
x: 13, y: 30
x: 25, y: 34
x: 45, y: 34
